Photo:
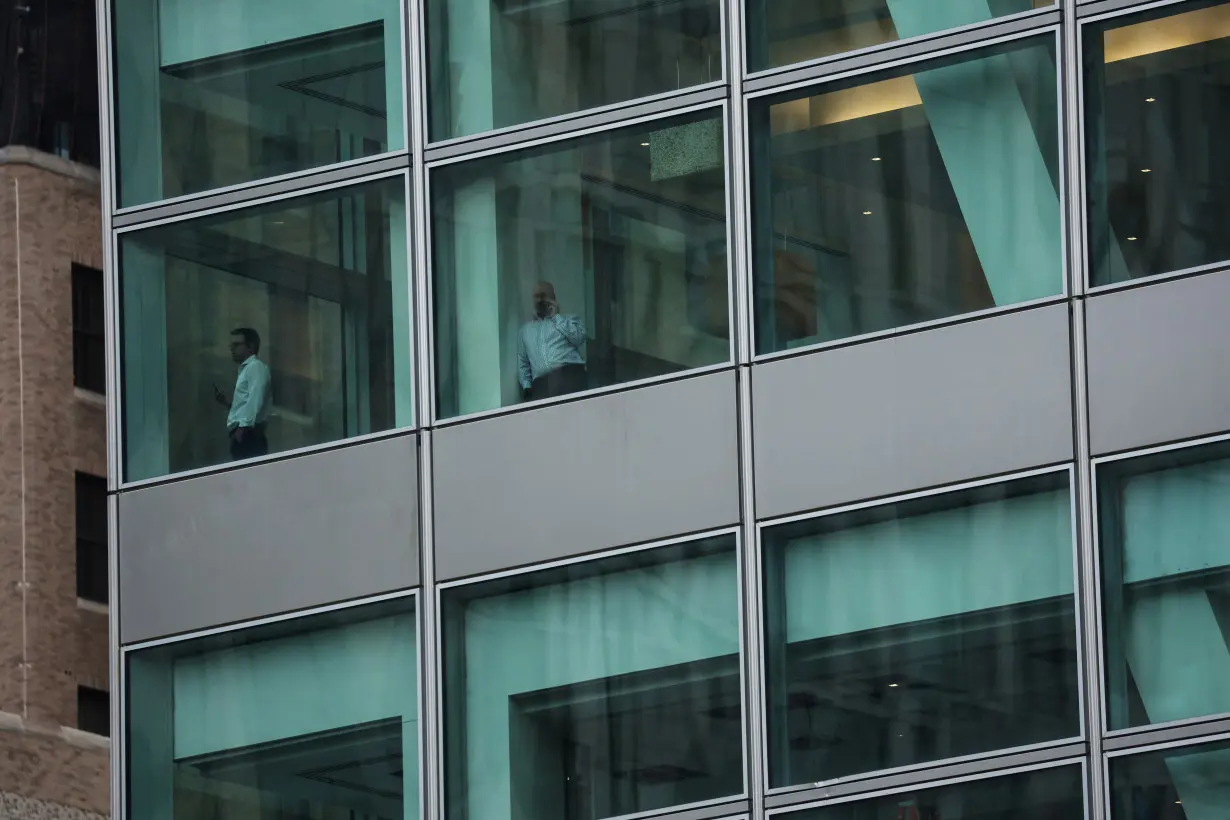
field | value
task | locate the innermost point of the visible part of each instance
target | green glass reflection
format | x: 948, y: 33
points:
x: 322, y: 284
x: 781, y: 32
x: 907, y: 196
x: 1164, y: 525
x: 313, y: 718
x: 1184, y: 783
x: 1155, y: 121
x: 581, y: 264
x: 497, y: 64
x: 210, y: 94
x: 926, y: 629
x: 597, y: 689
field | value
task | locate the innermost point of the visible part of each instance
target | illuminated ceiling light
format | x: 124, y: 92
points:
x: 1145, y: 170
x: 866, y: 213
x: 875, y: 159
x: 644, y: 145
x: 893, y: 685
x: 1150, y: 99
x: 1131, y: 239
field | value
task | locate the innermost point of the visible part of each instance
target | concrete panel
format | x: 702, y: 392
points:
x: 935, y: 407
x: 1158, y: 362
x: 261, y: 540
x: 588, y: 475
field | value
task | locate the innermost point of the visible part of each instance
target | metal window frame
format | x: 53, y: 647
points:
x: 1133, y: 737
x: 854, y: 780
x: 717, y: 805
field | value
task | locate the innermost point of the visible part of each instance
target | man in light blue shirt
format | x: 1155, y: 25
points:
x: 549, y: 360
x: 249, y: 407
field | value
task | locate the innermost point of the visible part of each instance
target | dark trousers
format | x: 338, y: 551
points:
x: 565, y: 379
x: 254, y: 443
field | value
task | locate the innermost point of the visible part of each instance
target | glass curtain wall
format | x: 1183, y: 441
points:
x: 1157, y: 108
x: 265, y: 329
x: 595, y: 689
x: 497, y: 63
x: 924, y: 629
x: 308, y: 718
x: 905, y: 196
x: 1055, y: 792
x: 781, y: 32
x: 1164, y: 533
x: 210, y: 94
x: 580, y: 264
x: 1182, y: 783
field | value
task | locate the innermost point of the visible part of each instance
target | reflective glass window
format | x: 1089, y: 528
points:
x: 211, y: 93
x: 1184, y: 783
x: 581, y: 264
x: 931, y: 628
x: 496, y: 64
x: 265, y: 329
x: 906, y: 196
x: 595, y: 689
x: 1164, y: 532
x: 781, y: 32
x: 1157, y: 109
x: 312, y: 717
x: 1055, y: 792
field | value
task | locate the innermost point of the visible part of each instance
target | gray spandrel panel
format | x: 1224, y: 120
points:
x: 1159, y: 362
x: 601, y: 472
x: 270, y: 538
x: 920, y: 410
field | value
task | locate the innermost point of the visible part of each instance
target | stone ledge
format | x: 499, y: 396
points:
x: 16, y: 807
x: 24, y: 155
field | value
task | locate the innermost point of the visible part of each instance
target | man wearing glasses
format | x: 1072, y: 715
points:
x: 249, y: 407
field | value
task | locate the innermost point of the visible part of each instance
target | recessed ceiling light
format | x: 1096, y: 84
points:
x: 866, y: 213
x: 1131, y: 239
x: 645, y: 144
x: 875, y: 159
x: 1178, y: 802
x: 1150, y: 99
x: 1145, y: 170
x: 893, y: 685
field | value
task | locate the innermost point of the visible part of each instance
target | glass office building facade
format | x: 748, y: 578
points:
x: 698, y: 410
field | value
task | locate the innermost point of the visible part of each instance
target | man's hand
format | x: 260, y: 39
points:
x: 240, y: 432
x: 220, y: 397
x: 552, y: 308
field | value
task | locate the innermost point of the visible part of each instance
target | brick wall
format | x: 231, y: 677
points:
x: 49, y: 219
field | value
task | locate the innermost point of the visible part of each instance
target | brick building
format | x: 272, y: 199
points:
x: 54, y: 704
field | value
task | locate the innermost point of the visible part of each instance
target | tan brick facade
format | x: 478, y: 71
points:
x: 49, y: 219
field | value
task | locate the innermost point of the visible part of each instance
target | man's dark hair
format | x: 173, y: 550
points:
x: 250, y: 337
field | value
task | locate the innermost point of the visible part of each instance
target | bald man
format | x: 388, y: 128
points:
x: 549, y: 361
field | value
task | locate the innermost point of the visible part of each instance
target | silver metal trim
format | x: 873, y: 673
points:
x: 589, y: 557
x: 639, y: 116
x: 932, y: 41
x: 276, y: 197
x: 1183, y: 444
x: 941, y: 489
x: 431, y: 787
x: 293, y: 615
x: 906, y: 330
x: 755, y: 718
x: 903, y: 52
x: 231, y: 466
x: 571, y: 123
x: 594, y: 392
x: 1088, y: 10
x: 342, y: 172
x: 1070, y: 755
x: 1078, y: 222
x: 1187, y: 732
x: 730, y: 156
x: 116, y: 673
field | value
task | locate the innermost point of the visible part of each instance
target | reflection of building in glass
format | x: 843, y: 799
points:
x: 686, y: 409
x: 54, y: 586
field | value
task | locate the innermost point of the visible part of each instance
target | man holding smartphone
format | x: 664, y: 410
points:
x: 549, y: 360
x: 249, y: 406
